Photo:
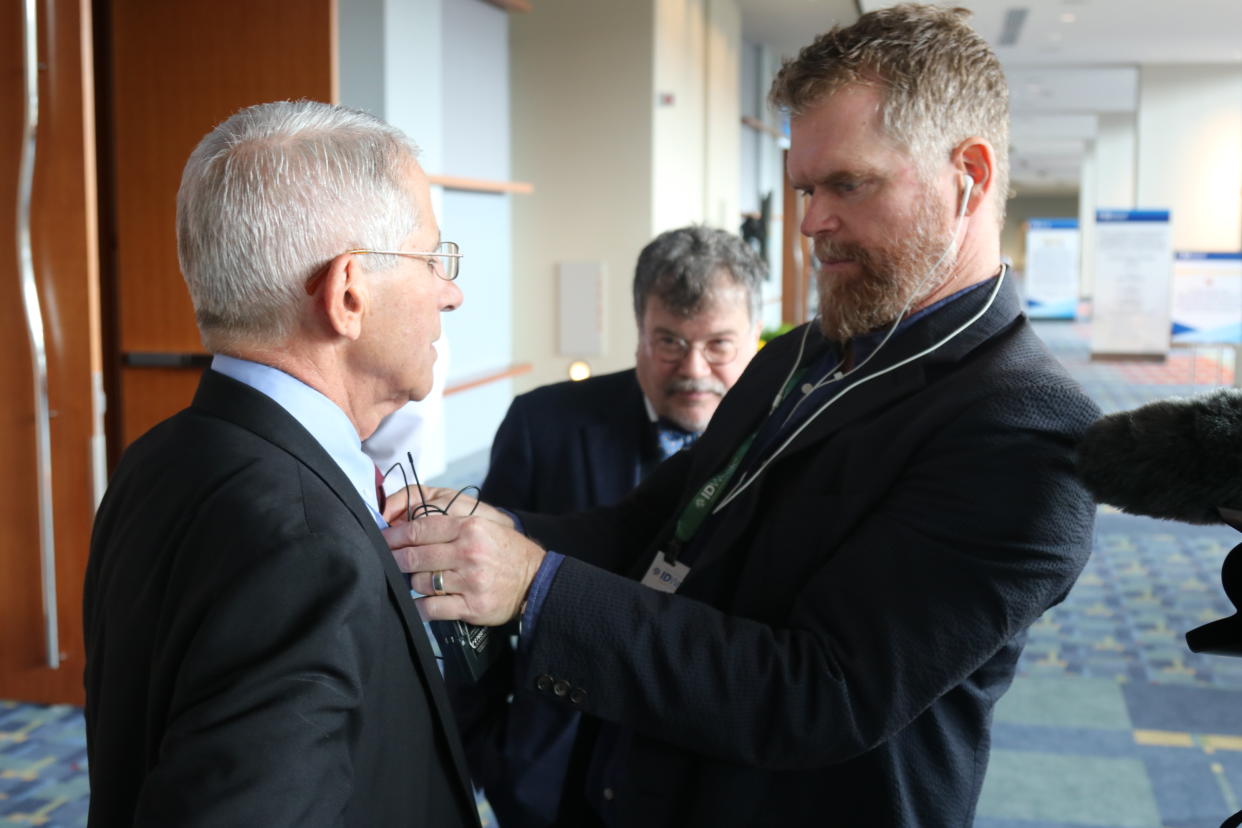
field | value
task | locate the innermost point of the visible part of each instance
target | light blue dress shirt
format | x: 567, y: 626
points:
x: 324, y: 419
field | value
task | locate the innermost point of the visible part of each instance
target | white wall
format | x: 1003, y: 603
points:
x: 476, y: 112
x: 1190, y: 152
x: 1108, y: 181
x: 679, y: 132
x: 722, y: 185
x: 582, y: 84
x: 439, y: 70
x: 696, y: 134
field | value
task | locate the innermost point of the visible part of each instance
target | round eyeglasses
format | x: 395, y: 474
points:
x: 447, y: 256
x: 668, y: 348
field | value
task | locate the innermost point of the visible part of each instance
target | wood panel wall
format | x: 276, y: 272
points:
x: 65, y: 244
x: 177, y: 69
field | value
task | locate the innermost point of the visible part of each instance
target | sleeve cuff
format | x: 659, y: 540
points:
x: 536, y: 595
x: 517, y: 521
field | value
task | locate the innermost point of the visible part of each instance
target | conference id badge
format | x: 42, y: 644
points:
x: 664, y: 576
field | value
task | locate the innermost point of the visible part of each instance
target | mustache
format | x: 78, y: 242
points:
x: 826, y: 250
x: 689, y: 385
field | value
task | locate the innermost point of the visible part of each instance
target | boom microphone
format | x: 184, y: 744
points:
x: 1177, y: 459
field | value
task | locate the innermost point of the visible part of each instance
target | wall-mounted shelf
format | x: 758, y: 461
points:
x: 482, y: 185
x: 512, y: 5
x: 760, y: 126
x: 466, y: 383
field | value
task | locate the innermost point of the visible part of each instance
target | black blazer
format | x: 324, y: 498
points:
x: 566, y: 447
x: 852, y: 617
x: 571, y: 446
x: 253, y: 654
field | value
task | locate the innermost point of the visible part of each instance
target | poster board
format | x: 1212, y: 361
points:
x: 1133, y: 274
x: 1207, y: 298
x: 1052, y: 271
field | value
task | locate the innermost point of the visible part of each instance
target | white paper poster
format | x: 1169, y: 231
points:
x: 1052, y: 268
x: 1207, y: 298
x: 1133, y: 271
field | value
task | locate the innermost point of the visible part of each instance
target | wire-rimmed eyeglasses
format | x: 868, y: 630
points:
x: 447, y: 255
x: 669, y: 348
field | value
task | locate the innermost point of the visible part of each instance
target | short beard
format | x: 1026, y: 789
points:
x: 888, y: 277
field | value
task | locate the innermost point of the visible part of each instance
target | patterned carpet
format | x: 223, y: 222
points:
x: 1112, y: 722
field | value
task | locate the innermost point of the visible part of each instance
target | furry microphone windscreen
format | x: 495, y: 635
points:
x: 1177, y: 459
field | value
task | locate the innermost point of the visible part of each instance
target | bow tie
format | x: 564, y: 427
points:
x: 672, y: 438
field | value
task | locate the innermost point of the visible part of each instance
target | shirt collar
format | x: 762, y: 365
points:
x: 324, y: 419
x: 863, y: 344
x: 651, y: 412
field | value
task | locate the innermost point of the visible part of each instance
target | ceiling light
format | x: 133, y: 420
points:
x: 579, y: 370
x: 1068, y: 17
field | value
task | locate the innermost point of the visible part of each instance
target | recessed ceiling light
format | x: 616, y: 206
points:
x: 1068, y: 17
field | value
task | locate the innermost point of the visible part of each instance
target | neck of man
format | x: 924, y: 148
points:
x: 325, y: 369
x: 978, y: 257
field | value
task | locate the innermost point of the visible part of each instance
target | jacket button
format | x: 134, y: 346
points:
x: 578, y: 695
x: 561, y: 687
x: 543, y: 683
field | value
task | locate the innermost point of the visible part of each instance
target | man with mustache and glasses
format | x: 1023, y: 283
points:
x: 572, y: 446
x: 809, y: 616
x: 575, y: 445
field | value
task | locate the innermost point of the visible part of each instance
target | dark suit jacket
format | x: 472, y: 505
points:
x: 566, y: 447
x: 571, y: 446
x: 253, y: 654
x: 850, y: 620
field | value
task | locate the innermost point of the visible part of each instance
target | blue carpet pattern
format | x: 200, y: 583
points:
x: 1112, y: 722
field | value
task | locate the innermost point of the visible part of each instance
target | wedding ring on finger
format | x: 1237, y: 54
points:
x: 437, y: 583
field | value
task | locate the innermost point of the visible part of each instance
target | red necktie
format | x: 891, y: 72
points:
x: 380, y: 497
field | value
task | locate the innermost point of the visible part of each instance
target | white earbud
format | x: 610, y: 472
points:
x: 968, y: 184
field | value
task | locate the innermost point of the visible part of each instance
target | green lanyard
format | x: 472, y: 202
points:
x: 700, y: 506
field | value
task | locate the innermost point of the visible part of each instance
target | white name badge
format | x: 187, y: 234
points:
x: 664, y: 576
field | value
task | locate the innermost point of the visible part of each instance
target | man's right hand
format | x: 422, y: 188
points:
x: 484, y: 569
x: 395, y: 509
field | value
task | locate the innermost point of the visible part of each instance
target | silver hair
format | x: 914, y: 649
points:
x: 682, y: 268
x: 273, y: 194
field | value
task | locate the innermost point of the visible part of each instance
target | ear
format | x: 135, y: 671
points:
x: 343, y: 295
x: 975, y: 159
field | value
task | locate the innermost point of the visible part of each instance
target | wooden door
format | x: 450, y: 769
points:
x: 64, y: 248
x: 175, y: 69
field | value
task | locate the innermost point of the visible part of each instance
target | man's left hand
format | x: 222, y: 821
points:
x: 485, y: 569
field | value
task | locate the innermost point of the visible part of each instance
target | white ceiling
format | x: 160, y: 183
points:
x: 1072, y: 60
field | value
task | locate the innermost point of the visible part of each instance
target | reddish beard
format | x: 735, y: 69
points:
x: 889, y: 276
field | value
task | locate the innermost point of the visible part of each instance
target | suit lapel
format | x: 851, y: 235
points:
x: 885, y: 379
x: 227, y: 399
x: 611, y: 465
x: 612, y: 448
x: 750, y: 400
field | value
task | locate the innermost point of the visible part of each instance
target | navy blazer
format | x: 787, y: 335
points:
x: 851, y: 618
x: 571, y: 446
x: 566, y: 447
x: 253, y: 656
